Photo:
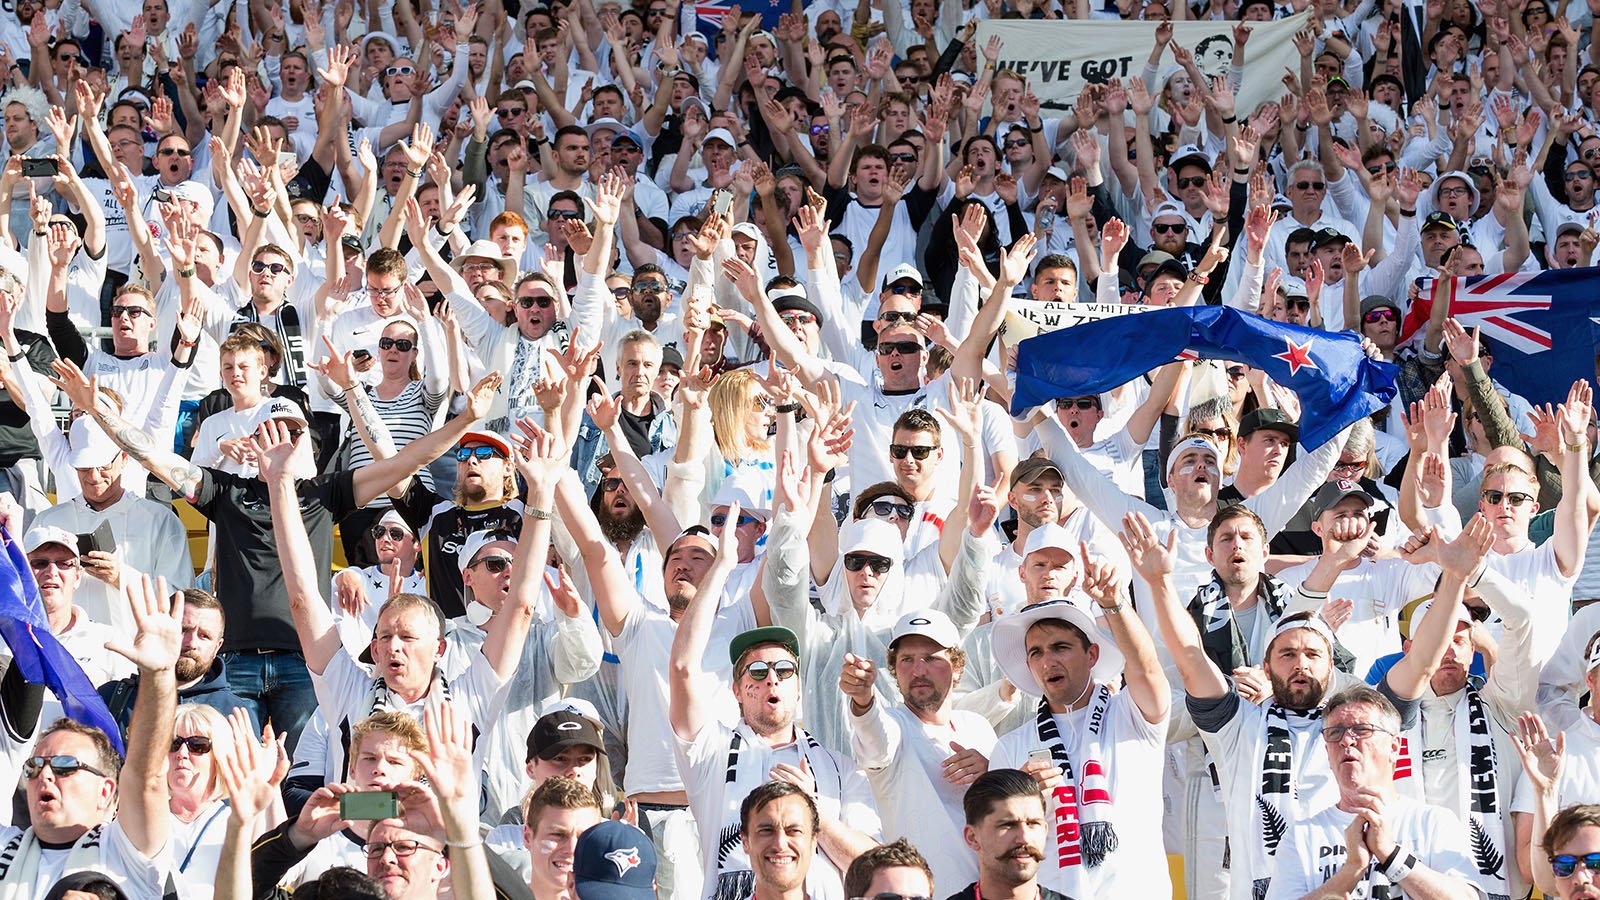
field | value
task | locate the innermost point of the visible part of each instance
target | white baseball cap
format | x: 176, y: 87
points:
x: 475, y: 543
x: 91, y: 446
x: 39, y: 535
x: 929, y: 623
x: 1047, y: 536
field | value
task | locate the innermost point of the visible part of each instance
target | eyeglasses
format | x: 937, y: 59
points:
x: 720, y: 519
x: 1168, y: 228
x: 1380, y: 315
x: 1301, y: 303
x: 258, y: 267
x: 1310, y: 185
x: 681, y: 235
x: 509, y: 113
x: 567, y: 214
x: 64, y: 565
x: 481, y: 452
x: 610, y: 484
x: 172, y: 151
x: 1457, y: 191
x: 494, y: 565
x: 1077, y: 403
x: 1018, y: 142
x: 541, y: 301
x: 649, y: 287
x: 917, y: 451
x: 385, y: 293
x: 62, y: 766
x: 900, y: 290
x: 1193, y: 181
x: 398, y: 70
x: 897, y: 316
x: 855, y: 562
x: 1216, y: 434
x: 1565, y: 864
x: 888, y: 509
x: 404, y: 345
x: 480, y: 267
x: 1361, y: 731
x: 797, y: 318
x: 392, y: 532
x: 905, y: 348
x: 1515, y: 498
x: 784, y: 670
x: 1580, y: 175
x: 1381, y: 168
x: 374, y: 849
x: 132, y: 312
x: 907, y: 157
x: 197, y: 744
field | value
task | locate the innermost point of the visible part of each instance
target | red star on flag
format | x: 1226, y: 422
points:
x: 1298, y: 356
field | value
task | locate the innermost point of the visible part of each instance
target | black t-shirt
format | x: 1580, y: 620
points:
x: 637, y: 428
x: 249, y: 573
x: 445, y: 526
x: 970, y: 892
x: 16, y: 437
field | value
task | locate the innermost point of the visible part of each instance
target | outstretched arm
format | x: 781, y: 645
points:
x: 313, y: 622
x: 1152, y: 559
x: 142, y: 786
x: 539, y: 460
x: 689, y: 707
x: 1147, y: 683
x: 1457, y: 560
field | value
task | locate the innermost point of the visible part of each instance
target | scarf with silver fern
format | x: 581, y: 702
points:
x: 734, y: 879
x: 1278, y: 794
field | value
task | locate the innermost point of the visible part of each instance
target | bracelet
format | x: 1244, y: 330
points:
x: 18, y: 357
x: 786, y: 408
x: 260, y: 214
x: 184, y: 343
x: 186, y: 273
x: 44, y: 233
x: 534, y: 512
x: 1113, y: 610
x: 1197, y: 278
x: 1242, y: 173
x: 416, y: 174
x: 1230, y: 120
x: 1409, y: 213
x: 1579, y: 447
x: 1398, y: 865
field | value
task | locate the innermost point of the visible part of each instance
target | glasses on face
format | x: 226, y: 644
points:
x: 61, y: 766
x: 392, y: 532
x: 1580, y: 175
x: 384, y: 293
x: 375, y: 849
x: 1354, y: 465
x: 904, y: 348
x: 172, y: 151
x: 481, y: 452
x: 539, y: 300
x: 784, y: 670
x: 796, y: 318
x: 571, y: 215
x: 197, y: 744
x: 1236, y: 372
x: 917, y: 451
x: 855, y: 562
x: 480, y: 267
x: 64, y: 565
x: 509, y: 113
x: 905, y: 157
x: 1017, y: 143
x: 1168, y: 228
x: 1301, y: 303
x: 650, y: 287
x: 1565, y: 864
x: 621, y: 292
x: 126, y: 142
x: 610, y: 484
x: 1454, y: 191
x: 1361, y: 731
x: 275, y: 268
x: 819, y: 129
x: 494, y: 565
x: 681, y: 235
x: 1310, y: 185
x: 404, y: 345
x: 901, y: 290
x: 1591, y: 152
x: 889, y: 509
x: 720, y: 519
x: 398, y: 70
x: 1381, y: 168
x: 894, y: 316
x: 1380, y: 315
x: 1216, y: 434
x: 1193, y: 181
x: 1515, y: 498
x: 1077, y: 403
x: 132, y: 312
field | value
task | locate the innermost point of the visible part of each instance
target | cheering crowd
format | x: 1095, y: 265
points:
x: 606, y: 424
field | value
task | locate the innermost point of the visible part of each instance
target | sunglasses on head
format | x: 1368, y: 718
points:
x: 1380, y: 315
x: 481, y: 452
x: 1310, y: 185
x: 855, y: 562
x: 918, y: 451
x: 540, y: 301
x: 494, y: 565
x: 1077, y: 403
x: 906, y: 348
x: 404, y: 345
x: 1515, y: 498
x: 720, y: 519
x: 1168, y: 228
x: 1565, y: 864
x: 392, y: 532
x: 784, y: 669
x: 197, y: 744
x: 62, y: 766
x: 889, y: 509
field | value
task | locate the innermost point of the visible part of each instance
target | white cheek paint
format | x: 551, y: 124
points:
x: 547, y: 847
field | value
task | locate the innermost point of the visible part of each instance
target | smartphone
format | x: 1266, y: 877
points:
x: 101, y: 539
x: 721, y: 201
x: 361, y: 354
x: 39, y: 168
x: 1042, y: 754
x: 369, y: 805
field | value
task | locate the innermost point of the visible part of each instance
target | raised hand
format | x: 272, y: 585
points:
x: 1014, y: 264
x: 856, y: 679
x: 158, y: 620
x: 1148, y: 555
x: 538, y: 457
x: 1543, y: 757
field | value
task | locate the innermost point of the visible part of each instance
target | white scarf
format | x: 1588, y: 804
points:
x: 1083, y: 836
x: 20, y: 857
x: 1278, y: 794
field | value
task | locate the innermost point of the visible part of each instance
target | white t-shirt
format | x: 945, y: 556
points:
x: 1379, y: 589
x: 139, y: 876
x: 1314, y: 849
x: 224, y: 425
x: 196, y: 850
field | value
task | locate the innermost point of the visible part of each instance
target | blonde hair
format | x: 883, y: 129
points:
x: 730, y: 399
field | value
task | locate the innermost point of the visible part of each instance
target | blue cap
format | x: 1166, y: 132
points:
x: 615, y: 861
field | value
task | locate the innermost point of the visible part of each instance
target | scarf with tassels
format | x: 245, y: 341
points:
x: 20, y: 857
x: 1278, y: 795
x: 1084, y: 834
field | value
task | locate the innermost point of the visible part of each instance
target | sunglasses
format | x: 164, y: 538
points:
x: 1310, y: 185
x: 896, y: 316
x: 1580, y: 175
x: 197, y: 744
x: 1168, y: 228
x: 1380, y: 315
x: 610, y: 484
x: 900, y: 290
x: 172, y: 151
x: 62, y: 766
x: 540, y: 301
x: 132, y: 312
x: 905, y: 157
x: 1193, y: 181
x: 1354, y: 465
x: 819, y: 129
x: 509, y: 113
x: 1515, y: 498
x: 398, y: 70
x: 682, y: 235
x: 1565, y: 864
x: 465, y: 453
x: 404, y: 345
x: 918, y: 451
x: 621, y: 292
x: 65, y: 565
x: 855, y: 562
x: 375, y: 849
x: 494, y: 565
x: 570, y: 215
x: 1300, y: 303
x: 906, y: 348
x: 275, y: 268
x: 888, y: 509
x: 392, y: 532
x: 1216, y: 434
x: 1019, y: 142
x: 650, y: 287
x: 720, y: 519
x: 784, y: 670
x: 1381, y: 168
x: 797, y: 318
x: 1077, y: 403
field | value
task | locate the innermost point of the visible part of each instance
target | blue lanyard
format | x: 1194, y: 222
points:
x: 203, y: 828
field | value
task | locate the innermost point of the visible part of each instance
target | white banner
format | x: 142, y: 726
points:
x: 1059, y: 57
x: 1029, y: 318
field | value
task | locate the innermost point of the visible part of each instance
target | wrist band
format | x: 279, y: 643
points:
x: 533, y: 512
x: 18, y: 357
x: 1230, y: 120
x: 1398, y: 865
x: 260, y: 214
x: 787, y: 408
x: 186, y: 273
x: 1409, y: 213
x: 416, y: 174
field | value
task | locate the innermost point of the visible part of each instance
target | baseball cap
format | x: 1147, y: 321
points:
x: 39, y: 535
x: 1327, y: 237
x: 279, y: 408
x: 605, y: 122
x: 1411, y: 615
x: 1439, y: 217
x: 720, y: 134
x: 195, y: 193
x: 1190, y: 153
x: 614, y: 861
x: 1378, y: 301
x: 628, y: 134
x: 1030, y: 469
x: 558, y: 730
x: 91, y: 446
x: 929, y: 623
x: 486, y: 437
x: 1155, y: 258
x: 903, y: 272
x: 1565, y: 227
x: 475, y: 543
x: 771, y: 634
x: 1057, y: 173
x: 671, y: 356
x: 1331, y: 494
x: 875, y: 536
x: 794, y: 299
x: 1270, y: 419
x: 1050, y: 536
x: 746, y: 487
x: 1169, y: 209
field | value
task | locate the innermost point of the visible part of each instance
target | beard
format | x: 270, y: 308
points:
x: 619, y: 530
x: 1287, y: 695
x: 189, y: 669
x: 678, y: 598
x: 929, y: 700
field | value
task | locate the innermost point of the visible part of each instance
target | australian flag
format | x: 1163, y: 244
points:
x: 36, y: 651
x: 1541, y: 326
x: 1333, y: 377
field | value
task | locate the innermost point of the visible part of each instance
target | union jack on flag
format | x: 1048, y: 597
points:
x: 708, y: 16
x: 1541, y: 327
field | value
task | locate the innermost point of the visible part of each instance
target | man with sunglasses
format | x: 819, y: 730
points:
x: 58, y: 572
x: 358, y: 592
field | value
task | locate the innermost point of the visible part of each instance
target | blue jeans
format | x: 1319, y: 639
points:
x: 277, y: 685
x: 1152, y: 479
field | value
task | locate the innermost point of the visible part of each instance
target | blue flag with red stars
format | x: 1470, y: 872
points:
x: 1333, y: 377
x: 35, y: 650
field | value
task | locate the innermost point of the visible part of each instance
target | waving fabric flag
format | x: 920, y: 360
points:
x: 1329, y: 372
x: 1542, y: 326
x: 41, y: 657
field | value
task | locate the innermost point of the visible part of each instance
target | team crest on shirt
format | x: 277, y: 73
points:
x: 624, y: 858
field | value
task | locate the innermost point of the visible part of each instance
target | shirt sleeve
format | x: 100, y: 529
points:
x: 874, y: 737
